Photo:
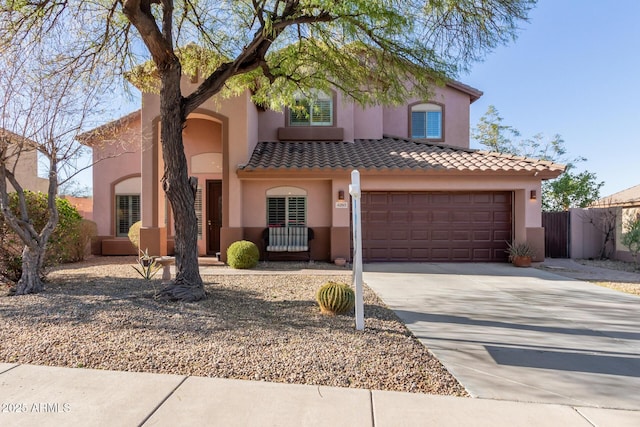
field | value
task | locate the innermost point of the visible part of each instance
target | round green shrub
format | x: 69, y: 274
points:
x: 243, y: 254
x: 134, y: 234
x: 335, y: 298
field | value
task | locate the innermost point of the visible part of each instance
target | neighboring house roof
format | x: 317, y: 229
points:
x: 389, y: 154
x: 108, y: 129
x: 11, y: 136
x: 628, y: 197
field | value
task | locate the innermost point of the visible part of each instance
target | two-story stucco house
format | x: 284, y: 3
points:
x: 426, y: 195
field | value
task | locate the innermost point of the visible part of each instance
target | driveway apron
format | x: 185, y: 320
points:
x: 520, y: 334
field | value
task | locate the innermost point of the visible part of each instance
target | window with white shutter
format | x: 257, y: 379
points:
x: 286, y: 206
x: 426, y: 121
x: 285, y: 211
x: 197, y: 204
x: 312, y: 111
x: 127, y: 212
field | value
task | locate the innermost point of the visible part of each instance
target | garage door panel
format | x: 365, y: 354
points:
x: 436, y: 226
x: 401, y: 199
x: 482, y: 198
x: 439, y: 216
x: 461, y: 198
x: 461, y: 216
x: 501, y: 236
x: 376, y: 199
x: 502, y: 217
x: 482, y: 236
x: 461, y: 254
x: 421, y: 234
x: 440, y: 254
x: 482, y: 253
x: 481, y: 216
x: 461, y: 235
x: 419, y: 199
x: 377, y: 233
x: 419, y: 217
x: 419, y: 254
x: 440, y: 235
x: 399, y: 253
x: 378, y: 254
x: 399, y: 216
x: 502, y: 198
x: 377, y: 216
x: 401, y: 235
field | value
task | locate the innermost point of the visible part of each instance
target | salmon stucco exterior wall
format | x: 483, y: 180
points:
x: 243, y: 155
x: 117, y: 158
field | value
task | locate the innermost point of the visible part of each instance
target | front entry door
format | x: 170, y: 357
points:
x: 214, y: 216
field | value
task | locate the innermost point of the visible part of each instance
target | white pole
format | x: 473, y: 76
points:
x: 354, y: 190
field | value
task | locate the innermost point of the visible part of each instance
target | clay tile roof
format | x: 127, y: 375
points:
x: 389, y: 154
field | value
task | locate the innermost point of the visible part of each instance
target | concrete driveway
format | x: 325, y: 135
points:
x: 520, y: 334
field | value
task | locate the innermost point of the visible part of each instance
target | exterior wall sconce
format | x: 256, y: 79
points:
x: 533, y: 195
x: 341, y: 195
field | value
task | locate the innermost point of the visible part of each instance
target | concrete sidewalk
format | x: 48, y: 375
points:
x: 50, y: 396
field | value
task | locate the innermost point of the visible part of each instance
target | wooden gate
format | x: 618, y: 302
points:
x: 556, y: 234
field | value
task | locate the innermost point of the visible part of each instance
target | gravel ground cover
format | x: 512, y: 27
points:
x: 630, y: 285
x: 261, y: 325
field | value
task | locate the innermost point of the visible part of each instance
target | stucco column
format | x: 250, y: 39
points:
x: 340, y: 220
x: 152, y: 237
x: 534, y: 232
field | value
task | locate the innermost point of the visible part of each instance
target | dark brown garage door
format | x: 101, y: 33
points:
x: 435, y: 226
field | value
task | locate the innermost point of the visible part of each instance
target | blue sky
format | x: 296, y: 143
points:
x: 573, y: 71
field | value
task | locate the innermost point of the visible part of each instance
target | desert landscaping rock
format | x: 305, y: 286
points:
x: 263, y: 327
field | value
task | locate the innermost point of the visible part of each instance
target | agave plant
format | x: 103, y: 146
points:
x: 147, y: 266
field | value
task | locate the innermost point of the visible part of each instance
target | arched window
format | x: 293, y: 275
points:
x: 286, y: 206
x: 426, y: 121
x: 127, y: 204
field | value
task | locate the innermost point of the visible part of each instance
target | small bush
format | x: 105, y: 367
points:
x: 335, y: 298
x: 243, y: 254
x: 631, y: 239
x: 134, y: 234
x: 88, y: 230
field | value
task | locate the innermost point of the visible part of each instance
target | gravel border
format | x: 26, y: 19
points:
x: 257, y: 325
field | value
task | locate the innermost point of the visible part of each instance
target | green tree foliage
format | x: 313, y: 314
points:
x: 631, y: 239
x: 570, y: 190
x: 66, y: 244
x: 372, y: 51
x: 495, y: 136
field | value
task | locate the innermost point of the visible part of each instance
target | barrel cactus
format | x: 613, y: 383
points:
x: 335, y: 298
x: 243, y: 254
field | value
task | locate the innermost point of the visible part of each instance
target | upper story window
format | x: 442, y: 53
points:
x: 315, y: 111
x: 426, y: 121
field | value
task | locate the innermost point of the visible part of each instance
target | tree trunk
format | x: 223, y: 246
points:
x: 32, y: 261
x: 188, y: 285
